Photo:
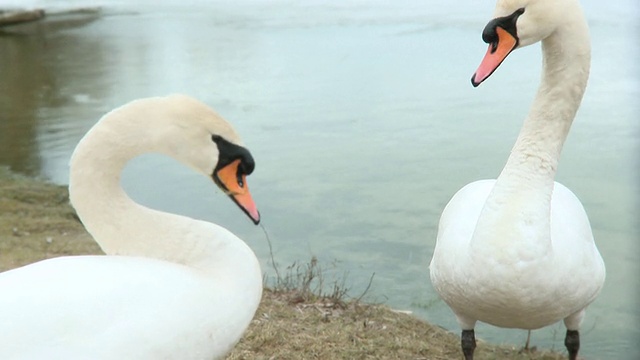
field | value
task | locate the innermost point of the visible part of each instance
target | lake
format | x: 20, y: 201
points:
x: 362, y: 121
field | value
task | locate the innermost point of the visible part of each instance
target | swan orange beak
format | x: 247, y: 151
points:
x: 234, y: 183
x: 497, y: 52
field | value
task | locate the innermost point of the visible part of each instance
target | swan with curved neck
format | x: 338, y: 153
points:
x: 518, y: 251
x: 170, y: 287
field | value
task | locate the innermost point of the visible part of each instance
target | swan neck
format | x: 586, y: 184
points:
x: 565, y: 71
x: 96, y: 193
x: 520, y: 202
x: 123, y: 227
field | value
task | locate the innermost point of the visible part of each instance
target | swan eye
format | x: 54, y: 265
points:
x: 508, y: 23
x: 228, y: 153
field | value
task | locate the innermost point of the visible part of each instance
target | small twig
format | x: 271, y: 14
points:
x: 273, y: 261
x: 591, y: 328
x: 366, y: 289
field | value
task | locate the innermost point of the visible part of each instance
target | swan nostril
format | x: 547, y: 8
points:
x: 239, y: 175
x: 494, y: 46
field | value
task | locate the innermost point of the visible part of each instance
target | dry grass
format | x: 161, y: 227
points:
x: 297, y: 320
x: 37, y: 222
x: 285, y: 329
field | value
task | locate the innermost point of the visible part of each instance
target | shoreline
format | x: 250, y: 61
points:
x: 37, y: 222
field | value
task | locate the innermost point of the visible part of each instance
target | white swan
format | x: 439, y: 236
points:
x: 518, y: 252
x: 170, y: 287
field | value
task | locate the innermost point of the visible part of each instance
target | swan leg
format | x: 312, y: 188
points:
x: 572, y: 342
x: 526, y: 344
x: 468, y: 343
x: 572, y: 339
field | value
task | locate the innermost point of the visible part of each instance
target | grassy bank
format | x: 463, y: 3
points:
x: 36, y: 222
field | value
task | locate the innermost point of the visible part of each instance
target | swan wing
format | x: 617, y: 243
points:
x: 578, y: 265
x: 114, y: 307
x: 458, y: 222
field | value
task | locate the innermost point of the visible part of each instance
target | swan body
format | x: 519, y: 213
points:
x: 509, y: 284
x: 170, y: 287
x: 518, y: 251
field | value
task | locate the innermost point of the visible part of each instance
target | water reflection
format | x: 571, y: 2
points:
x: 18, y: 120
x: 34, y: 71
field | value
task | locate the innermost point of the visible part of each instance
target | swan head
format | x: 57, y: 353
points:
x: 199, y: 137
x: 519, y: 23
x: 230, y: 174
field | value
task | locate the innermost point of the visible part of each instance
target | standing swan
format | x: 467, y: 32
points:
x: 518, y: 252
x: 170, y: 287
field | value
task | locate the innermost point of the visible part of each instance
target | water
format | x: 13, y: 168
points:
x: 362, y: 121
